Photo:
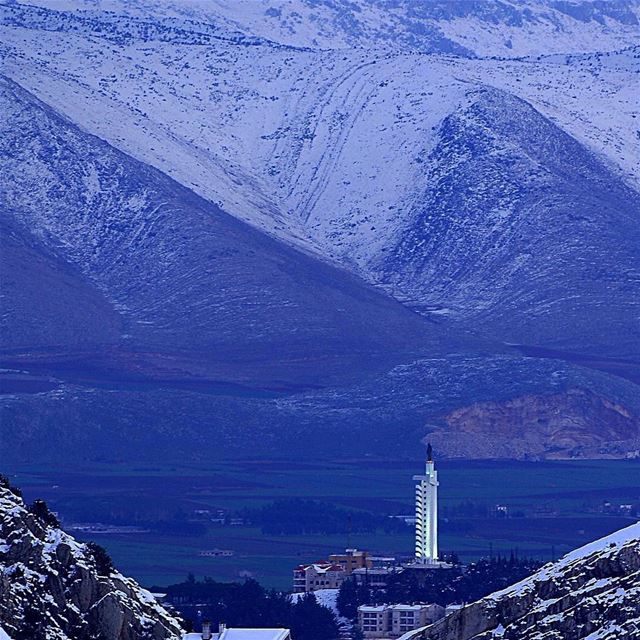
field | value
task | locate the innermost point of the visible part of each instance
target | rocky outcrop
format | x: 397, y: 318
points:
x: 56, y: 588
x: 593, y: 592
x: 573, y: 423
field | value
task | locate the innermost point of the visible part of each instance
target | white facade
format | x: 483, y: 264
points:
x: 311, y: 577
x: 374, y: 620
x: 407, y: 617
x: 237, y: 634
x: 392, y: 621
x: 427, y: 513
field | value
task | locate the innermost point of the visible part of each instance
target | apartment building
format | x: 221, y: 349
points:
x: 351, y: 560
x: 318, y: 575
x: 407, y: 617
x: 330, y: 574
x: 374, y: 621
x: 392, y: 621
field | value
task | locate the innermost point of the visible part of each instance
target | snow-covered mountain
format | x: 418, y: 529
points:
x: 56, y: 588
x: 420, y: 172
x: 183, y: 281
x: 592, y: 593
x: 491, y: 27
x: 290, y: 194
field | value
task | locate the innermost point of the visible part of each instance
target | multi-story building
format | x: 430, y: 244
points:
x: 374, y: 620
x: 318, y: 575
x: 392, y: 621
x: 352, y: 559
x: 427, y: 513
x: 407, y: 617
x: 330, y: 574
x: 376, y: 578
x: 225, y: 633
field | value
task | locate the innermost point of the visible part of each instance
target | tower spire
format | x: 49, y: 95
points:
x: 427, y: 512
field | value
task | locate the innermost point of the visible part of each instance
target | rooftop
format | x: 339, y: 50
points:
x: 254, y: 634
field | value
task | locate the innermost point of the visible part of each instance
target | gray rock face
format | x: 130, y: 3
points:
x: 573, y: 423
x: 54, y: 587
x: 593, y: 592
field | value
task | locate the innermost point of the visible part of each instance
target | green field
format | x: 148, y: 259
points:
x: 560, y: 500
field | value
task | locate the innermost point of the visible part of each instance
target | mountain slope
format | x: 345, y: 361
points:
x: 523, y: 230
x: 351, y: 165
x: 55, y: 588
x: 492, y: 27
x: 41, y: 292
x: 204, y: 190
x: 186, y: 279
x: 592, y: 593
x: 121, y: 419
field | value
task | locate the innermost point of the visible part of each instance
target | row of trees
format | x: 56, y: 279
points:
x: 248, y: 604
x: 296, y: 516
x: 442, y: 586
x: 306, y: 517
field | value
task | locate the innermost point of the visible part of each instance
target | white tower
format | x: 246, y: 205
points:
x: 427, y: 513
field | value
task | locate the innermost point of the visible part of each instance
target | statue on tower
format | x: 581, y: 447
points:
x: 429, y: 452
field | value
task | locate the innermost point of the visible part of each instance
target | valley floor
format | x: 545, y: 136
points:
x: 155, y: 521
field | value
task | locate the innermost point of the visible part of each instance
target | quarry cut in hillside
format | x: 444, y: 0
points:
x: 574, y: 423
x: 314, y: 221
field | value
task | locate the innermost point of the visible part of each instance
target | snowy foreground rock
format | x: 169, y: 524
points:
x: 592, y: 593
x: 53, y: 587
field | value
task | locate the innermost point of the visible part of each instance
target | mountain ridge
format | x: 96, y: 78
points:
x: 296, y: 226
x: 591, y: 593
x: 52, y: 586
x: 168, y: 235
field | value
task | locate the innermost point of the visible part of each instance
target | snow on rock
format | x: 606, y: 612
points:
x: 178, y: 270
x: 477, y: 161
x: 52, y: 585
x: 592, y: 593
x: 505, y: 27
x: 343, y: 128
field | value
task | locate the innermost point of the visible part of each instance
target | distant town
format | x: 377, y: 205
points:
x: 370, y: 596
x: 357, y: 590
x: 363, y: 594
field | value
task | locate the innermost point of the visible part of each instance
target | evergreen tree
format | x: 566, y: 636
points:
x: 357, y: 633
x: 104, y: 564
x: 363, y: 594
x: 40, y: 509
x: 347, y: 600
x: 311, y: 621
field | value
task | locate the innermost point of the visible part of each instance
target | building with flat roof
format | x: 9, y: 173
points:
x: 376, y: 578
x: 331, y: 573
x: 235, y: 633
x: 391, y: 621
x: 374, y: 620
x: 351, y: 559
x: 407, y: 617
